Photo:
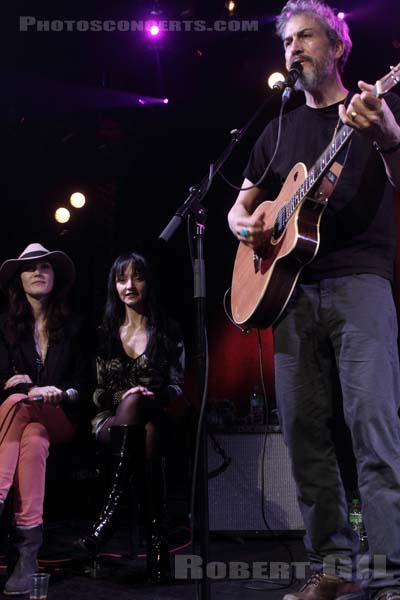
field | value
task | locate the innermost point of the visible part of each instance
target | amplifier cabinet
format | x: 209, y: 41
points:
x: 236, y: 494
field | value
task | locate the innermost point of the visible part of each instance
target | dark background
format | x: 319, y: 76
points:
x: 70, y: 121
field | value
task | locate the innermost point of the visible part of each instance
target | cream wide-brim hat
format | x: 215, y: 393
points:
x: 63, y: 266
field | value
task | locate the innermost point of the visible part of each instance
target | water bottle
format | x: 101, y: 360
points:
x: 257, y: 407
x: 357, y: 524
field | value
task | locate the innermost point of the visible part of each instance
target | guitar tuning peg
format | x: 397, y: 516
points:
x: 395, y: 73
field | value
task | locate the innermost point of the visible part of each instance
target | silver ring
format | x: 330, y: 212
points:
x: 244, y: 232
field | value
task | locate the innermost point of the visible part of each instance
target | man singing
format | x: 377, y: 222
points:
x: 338, y: 333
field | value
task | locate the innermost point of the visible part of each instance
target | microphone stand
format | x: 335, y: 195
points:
x: 193, y: 206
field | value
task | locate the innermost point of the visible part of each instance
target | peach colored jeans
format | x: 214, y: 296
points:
x: 31, y: 428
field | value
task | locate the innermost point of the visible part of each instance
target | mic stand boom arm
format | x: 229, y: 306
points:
x: 193, y: 205
x: 198, y: 192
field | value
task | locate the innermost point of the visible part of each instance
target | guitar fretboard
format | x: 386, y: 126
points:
x: 320, y: 167
x: 314, y: 176
x: 326, y: 159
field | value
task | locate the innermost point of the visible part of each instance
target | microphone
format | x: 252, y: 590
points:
x: 70, y: 396
x: 288, y: 84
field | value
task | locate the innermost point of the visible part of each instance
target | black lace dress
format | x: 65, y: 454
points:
x: 117, y: 372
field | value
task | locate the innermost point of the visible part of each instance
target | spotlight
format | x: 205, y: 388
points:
x: 165, y: 101
x: 153, y: 21
x: 62, y: 215
x: 230, y: 5
x: 154, y: 30
x: 274, y: 78
x: 77, y: 200
x: 341, y: 15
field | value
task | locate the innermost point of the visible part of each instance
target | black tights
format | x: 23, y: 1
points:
x: 136, y: 409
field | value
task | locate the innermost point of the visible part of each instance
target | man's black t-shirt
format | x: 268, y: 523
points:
x: 357, y: 226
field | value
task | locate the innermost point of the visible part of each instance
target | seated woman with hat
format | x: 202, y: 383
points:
x: 40, y: 358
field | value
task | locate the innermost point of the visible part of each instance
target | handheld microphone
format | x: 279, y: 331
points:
x: 70, y: 396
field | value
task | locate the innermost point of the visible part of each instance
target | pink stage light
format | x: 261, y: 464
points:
x: 341, y: 15
x: 150, y: 100
x: 154, y: 30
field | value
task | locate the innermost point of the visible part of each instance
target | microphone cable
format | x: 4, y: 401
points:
x: 13, y: 407
x: 275, y: 535
x: 226, y: 460
x: 229, y: 316
x: 267, y: 168
x: 265, y: 584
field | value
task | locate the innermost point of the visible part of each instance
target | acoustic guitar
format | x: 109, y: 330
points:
x: 263, y: 281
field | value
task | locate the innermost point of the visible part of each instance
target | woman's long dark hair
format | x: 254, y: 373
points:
x: 114, y: 313
x: 20, y: 320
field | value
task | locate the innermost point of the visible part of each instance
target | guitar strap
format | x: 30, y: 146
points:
x: 325, y: 189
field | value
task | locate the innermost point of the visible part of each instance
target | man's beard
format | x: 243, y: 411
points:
x: 312, y: 78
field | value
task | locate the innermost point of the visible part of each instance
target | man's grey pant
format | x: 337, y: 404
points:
x: 343, y: 327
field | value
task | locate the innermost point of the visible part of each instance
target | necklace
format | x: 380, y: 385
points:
x: 346, y: 102
x: 41, y: 342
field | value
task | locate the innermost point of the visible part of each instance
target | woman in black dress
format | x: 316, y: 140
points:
x: 139, y: 371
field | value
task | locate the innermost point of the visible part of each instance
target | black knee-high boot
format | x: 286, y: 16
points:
x: 127, y: 451
x: 158, y: 564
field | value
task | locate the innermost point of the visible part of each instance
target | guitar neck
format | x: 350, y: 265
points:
x: 323, y: 163
x: 319, y: 169
x: 314, y: 176
x: 340, y: 139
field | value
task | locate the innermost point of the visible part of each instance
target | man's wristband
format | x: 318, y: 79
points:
x: 385, y: 150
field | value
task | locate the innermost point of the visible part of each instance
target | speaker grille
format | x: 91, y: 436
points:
x: 235, y: 502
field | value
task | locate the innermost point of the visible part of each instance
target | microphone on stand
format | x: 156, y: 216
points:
x: 286, y: 86
x: 70, y: 396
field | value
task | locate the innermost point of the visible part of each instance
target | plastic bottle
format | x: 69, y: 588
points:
x: 257, y: 407
x: 357, y: 524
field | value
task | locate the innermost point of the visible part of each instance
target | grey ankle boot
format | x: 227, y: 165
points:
x: 27, y: 542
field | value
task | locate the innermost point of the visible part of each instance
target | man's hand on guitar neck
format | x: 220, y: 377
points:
x: 372, y: 117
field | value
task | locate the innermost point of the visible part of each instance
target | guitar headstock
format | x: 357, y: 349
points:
x: 387, y: 82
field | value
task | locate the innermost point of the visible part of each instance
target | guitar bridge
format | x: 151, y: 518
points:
x: 256, y: 262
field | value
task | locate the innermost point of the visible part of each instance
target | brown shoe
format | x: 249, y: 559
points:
x: 349, y: 587
x: 323, y: 587
x: 388, y: 595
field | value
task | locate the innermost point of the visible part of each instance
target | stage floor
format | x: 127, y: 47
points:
x: 120, y: 577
